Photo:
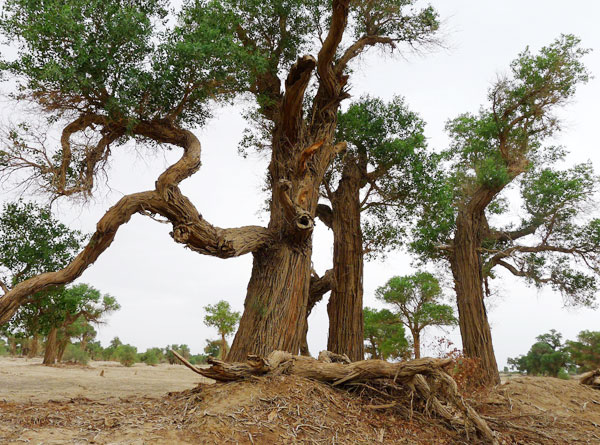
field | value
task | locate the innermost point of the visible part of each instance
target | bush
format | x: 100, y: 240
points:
x: 126, y: 354
x: 563, y: 374
x: 75, y: 354
x: 198, y: 359
x: 152, y: 357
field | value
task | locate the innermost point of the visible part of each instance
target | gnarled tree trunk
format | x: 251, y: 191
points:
x: 468, y: 283
x: 345, y: 307
x: 51, y: 348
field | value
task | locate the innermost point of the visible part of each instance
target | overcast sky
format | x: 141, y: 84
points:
x: 163, y: 287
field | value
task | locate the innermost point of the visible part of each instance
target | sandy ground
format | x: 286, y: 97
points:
x: 70, y: 404
x: 27, y: 380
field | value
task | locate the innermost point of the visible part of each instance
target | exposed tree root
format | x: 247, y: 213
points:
x: 428, y: 386
x: 591, y: 378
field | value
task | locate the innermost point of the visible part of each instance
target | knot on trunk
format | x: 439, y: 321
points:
x: 302, y: 222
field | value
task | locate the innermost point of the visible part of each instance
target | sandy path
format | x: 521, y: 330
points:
x: 27, y: 380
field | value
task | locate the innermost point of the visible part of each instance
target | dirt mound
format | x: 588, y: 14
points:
x: 542, y: 410
x: 288, y: 409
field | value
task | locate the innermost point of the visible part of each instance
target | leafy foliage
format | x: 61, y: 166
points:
x: 127, y: 355
x: 32, y: 241
x: 585, y: 352
x: 384, y: 335
x: 387, y: 147
x: 506, y: 144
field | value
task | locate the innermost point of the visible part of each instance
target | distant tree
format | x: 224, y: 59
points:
x: 509, y: 142
x: 95, y: 350
x: 416, y: 300
x: 81, y: 329
x: 384, y: 335
x: 221, y: 316
x: 152, y: 356
x: 546, y: 357
x: 127, y: 355
x: 63, y: 309
x: 182, y: 350
x: 585, y: 352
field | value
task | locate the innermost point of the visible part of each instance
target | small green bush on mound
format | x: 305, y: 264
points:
x: 75, y: 354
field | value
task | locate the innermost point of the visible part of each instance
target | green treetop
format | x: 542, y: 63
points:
x: 221, y: 316
x: 416, y: 300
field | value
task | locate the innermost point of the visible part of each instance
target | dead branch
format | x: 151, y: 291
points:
x: 425, y: 377
x: 591, y: 378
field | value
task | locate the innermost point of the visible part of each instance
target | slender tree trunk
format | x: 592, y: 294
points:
x: 417, y: 343
x: 345, y: 307
x: 223, y: 353
x: 33, y: 346
x: 51, y: 348
x: 12, y: 346
x: 62, y: 347
x: 468, y: 283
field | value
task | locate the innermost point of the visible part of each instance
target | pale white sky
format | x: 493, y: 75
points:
x: 163, y: 287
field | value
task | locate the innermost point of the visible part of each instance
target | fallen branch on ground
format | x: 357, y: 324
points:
x: 591, y: 378
x: 425, y: 378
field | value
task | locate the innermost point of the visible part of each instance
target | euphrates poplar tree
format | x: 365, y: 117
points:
x: 370, y: 191
x: 556, y: 241
x: 108, y: 71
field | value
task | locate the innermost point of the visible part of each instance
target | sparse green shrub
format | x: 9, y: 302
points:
x: 126, y: 354
x: 563, y: 374
x: 75, y: 354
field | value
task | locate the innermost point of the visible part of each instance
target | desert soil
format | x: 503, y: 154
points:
x: 168, y: 404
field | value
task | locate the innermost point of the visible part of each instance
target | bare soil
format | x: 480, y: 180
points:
x: 169, y: 404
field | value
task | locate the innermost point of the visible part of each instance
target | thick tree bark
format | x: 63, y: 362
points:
x: 468, y: 283
x: 345, y: 307
x: 275, y: 308
x: 51, y: 348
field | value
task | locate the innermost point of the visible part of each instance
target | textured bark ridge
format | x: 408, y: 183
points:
x: 591, y: 378
x: 465, y: 262
x: 425, y: 379
x: 345, y: 307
